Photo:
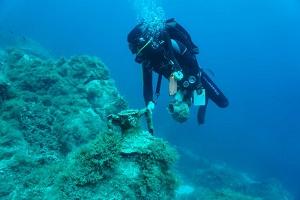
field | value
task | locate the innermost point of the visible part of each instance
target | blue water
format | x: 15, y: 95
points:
x: 251, y: 46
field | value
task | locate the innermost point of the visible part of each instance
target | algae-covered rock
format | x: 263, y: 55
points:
x: 45, y: 114
x: 6, y: 92
x: 217, y: 181
x: 221, y: 179
x: 135, y: 143
x: 53, y: 108
x: 65, y: 133
x: 12, y: 141
x: 131, y: 164
x: 103, y: 169
x: 54, y: 136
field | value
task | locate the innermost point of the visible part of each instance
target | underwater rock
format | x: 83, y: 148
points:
x: 55, y: 142
x: 5, y: 90
x: 108, y: 172
x: 136, y: 141
x: 9, y: 39
x: 217, y: 181
x: 49, y: 102
x: 105, y: 169
x: 49, y: 110
x: 184, y: 191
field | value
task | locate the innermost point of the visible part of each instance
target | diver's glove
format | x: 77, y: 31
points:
x: 151, y: 106
x: 178, y: 75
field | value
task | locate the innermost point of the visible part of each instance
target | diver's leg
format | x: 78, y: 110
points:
x: 202, y: 112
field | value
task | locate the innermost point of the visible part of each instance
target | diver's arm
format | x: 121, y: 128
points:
x: 147, y: 85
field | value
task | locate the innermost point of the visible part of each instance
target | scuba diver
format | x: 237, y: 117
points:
x: 171, y: 53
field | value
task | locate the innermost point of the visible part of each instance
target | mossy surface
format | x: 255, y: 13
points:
x: 54, y: 139
x: 45, y: 114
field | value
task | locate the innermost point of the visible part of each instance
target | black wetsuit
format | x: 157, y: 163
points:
x: 169, y: 59
x: 173, y: 55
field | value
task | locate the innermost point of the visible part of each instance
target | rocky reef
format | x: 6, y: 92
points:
x: 211, y: 180
x: 54, y: 137
x: 67, y: 133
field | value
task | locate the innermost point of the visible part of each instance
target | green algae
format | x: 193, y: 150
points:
x: 55, y: 139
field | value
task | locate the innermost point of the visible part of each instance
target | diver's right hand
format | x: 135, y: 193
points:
x: 178, y: 75
x: 150, y: 106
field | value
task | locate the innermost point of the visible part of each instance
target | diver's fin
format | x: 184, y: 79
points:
x: 201, y: 114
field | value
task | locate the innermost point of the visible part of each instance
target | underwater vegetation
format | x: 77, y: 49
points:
x: 57, y: 141
x: 54, y: 138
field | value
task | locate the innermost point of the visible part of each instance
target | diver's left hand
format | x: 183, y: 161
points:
x: 178, y: 75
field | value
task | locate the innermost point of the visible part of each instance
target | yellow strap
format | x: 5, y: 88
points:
x: 144, y: 46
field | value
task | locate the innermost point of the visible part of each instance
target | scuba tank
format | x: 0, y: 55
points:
x: 178, y: 33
